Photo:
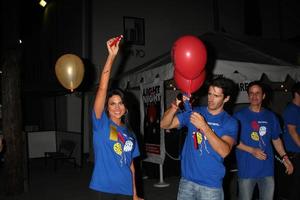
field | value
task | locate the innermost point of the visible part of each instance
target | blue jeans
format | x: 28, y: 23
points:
x: 266, y: 187
x: 192, y: 191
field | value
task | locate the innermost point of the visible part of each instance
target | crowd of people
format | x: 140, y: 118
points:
x: 253, y: 132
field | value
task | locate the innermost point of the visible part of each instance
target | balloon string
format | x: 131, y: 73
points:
x: 189, y: 89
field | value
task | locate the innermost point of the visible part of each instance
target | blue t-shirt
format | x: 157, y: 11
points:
x: 199, y: 162
x: 257, y: 129
x: 114, y: 148
x: 291, y: 116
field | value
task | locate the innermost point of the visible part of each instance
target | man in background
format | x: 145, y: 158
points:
x: 291, y: 138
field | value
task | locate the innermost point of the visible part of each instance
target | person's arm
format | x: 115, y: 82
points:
x: 222, y: 145
x: 280, y: 150
x: 132, y: 169
x: 169, y: 119
x: 292, y: 129
x: 104, y: 78
x: 256, y: 152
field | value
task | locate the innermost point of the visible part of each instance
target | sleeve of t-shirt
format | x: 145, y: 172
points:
x: 136, y: 151
x: 232, y: 128
x: 289, y: 116
x: 98, y: 123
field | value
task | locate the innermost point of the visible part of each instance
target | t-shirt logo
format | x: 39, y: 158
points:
x: 262, y: 130
x: 128, y: 146
x: 254, y: 136
x: 199, y: 137
x: 113, y: 134
x: 255, y: 125
x: 118, y: 148
x: 258, y: 132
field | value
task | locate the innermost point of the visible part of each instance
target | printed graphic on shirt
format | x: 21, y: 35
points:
x: 199, y: 137
x: 258, y: 131
x: 128, y: 146
x: 123, y: 143
x: 199, y: 141
x: 113, y: 134
x: 254, y: 136
x: 118, y: 148
x: 262, y: 130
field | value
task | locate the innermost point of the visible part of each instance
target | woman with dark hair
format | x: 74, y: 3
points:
x: 115, y: 145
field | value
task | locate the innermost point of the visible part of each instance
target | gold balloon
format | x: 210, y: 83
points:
x: 69, y: 70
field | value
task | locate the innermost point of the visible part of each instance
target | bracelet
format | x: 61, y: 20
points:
x: 283, y: 157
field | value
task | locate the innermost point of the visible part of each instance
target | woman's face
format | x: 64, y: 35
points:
x: 116, y: 108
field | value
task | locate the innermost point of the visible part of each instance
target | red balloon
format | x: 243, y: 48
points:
x: 189, y: 56
x: 189, y: 86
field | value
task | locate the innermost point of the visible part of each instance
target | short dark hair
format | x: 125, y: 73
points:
x: 296, y: 89
x: 259, y: 84
x: 227, y: 85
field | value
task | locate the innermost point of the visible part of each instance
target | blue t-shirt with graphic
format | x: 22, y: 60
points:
x: 257, y: 129
x: 291, y: 116
x: 114, y: 149
x: 199, y: 162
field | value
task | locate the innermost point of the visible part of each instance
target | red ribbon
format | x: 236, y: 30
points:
x: 195, y: 141
x: 121, y: 138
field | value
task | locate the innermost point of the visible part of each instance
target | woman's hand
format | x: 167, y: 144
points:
x: 113, y: 45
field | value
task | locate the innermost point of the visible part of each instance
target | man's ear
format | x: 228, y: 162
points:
x: 227, y: 99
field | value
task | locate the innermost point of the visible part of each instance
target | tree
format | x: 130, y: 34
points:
x: 13, y: 181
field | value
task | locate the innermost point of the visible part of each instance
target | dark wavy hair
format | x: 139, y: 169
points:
x: 121, y: 94
x: 228, y: 86
x: 113, y: 92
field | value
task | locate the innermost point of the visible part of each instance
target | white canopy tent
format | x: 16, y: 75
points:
x: 230, y: 69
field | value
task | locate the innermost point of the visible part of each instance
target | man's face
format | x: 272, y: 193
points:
x: 216, y: 99
x: 255, y: 95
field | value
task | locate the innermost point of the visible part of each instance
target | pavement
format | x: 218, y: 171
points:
x: 69, y: 183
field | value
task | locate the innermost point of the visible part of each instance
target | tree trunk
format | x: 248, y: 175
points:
x: 13, y: 180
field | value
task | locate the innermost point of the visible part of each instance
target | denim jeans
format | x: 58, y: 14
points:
x: 192, y: 191
x: 266, y: 187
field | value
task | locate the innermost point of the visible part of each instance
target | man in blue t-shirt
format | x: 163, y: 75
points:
x: 259, y: 128
x: 291, y: 138
x: 211, y: 135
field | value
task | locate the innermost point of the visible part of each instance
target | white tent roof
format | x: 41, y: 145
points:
x: 227, y: 56
x: 236, y: 70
